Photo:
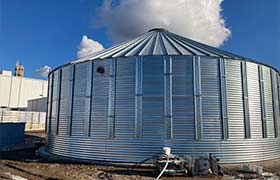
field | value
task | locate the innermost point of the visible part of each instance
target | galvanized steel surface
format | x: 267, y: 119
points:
x: 194, y: 104
x: 137, y: 128
x: 159, y: 42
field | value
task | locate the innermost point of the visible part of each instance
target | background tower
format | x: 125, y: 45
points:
x: 19, y: 69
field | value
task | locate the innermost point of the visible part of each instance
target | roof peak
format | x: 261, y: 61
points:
x: 158, y: 29
x: 159, y: 41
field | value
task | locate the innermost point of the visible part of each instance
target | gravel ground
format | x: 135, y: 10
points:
x: 26, y: 165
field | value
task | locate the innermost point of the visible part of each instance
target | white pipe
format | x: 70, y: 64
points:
x: 167, y: 161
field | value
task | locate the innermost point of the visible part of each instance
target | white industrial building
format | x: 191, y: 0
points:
x: 15, y: 91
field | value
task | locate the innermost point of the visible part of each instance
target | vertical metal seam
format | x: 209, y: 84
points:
x: 278, y: 94
x: 171, y: 96
x: 91, y: 93
x: 138, y: 98
x: 245, y: 100
x: 111, y: 100
x: 197, y: 98
x: 58, y: 100
x: 71, y: 100
x: 168, y: 97
x: 262, y: 98
x: 88, y: 103
x: 51, y: 101
x: 275, y: 114
x: 48, y: 108
x: 194, y: 96
x: 224, y: 108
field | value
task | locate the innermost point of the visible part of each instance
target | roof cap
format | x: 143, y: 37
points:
x: 157, y: 29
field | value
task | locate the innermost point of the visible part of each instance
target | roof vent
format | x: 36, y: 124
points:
x: 157, y: 29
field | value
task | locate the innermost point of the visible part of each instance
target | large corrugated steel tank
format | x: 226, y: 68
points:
x: 125, y: 103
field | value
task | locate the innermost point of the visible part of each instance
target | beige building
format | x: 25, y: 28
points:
x: 15, y: 91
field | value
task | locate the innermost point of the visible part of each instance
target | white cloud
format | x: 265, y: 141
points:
x: 200, y: 20
x: 43, y: 71
x: 88, y: 46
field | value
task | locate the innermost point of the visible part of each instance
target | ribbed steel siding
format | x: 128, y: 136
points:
x: 100, y: 91
x: 235, y: 100
x: 79, y: 97
x: 211, y: 101
x: 278, y: 90
x: 49, y: 103
x: 125, y: 147
x: 268, y: 102
x: 275, y: 98
x: 125, y: 98
x: 153, y: 96
x: 54, y: 102
x: 64, y: 100
x: 183, y: 112
x: 276, y: 107
x: 254, y: 100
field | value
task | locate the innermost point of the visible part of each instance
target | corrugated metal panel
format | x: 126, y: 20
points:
x: 245, y: 100
x: 70, y: 99
x: 235, y: 100
x: 268, y: 102
x: 275, y: 99
x: 254, y: 100
x: 58, y: 94
x: 197, y: 98
x: 49, y: 104
x: 224, y: 106
x: 88, y: 100
x: 79, y: 99
x: 126, y: 150
x: 262, y: 102
x: 100, y: 90
x: 278, y: 87
x: 125, y: 98
x: 168, y: 105
x: 182, y: 96
x: 211, y: 101
x: 54, y: 103
x: 153, y: 97
x: 64, y: 100
x: 138, y: 98
x: 112, y: 98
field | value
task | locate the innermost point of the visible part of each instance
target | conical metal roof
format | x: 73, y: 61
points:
x: 159, y: 42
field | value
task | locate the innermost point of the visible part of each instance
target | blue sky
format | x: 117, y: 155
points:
x: 48, y: 32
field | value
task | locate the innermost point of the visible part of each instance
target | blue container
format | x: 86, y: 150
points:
x: 11, y: 133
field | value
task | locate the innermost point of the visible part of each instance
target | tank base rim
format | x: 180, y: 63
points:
x: 53, y: 157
